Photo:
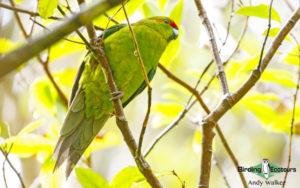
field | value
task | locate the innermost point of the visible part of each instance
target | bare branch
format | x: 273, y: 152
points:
x: 32, y: 14
x: 17, y: 57
x: 5, y: 154
x: 292, y: 125
x: 266, y: 37
x: 217, y: 58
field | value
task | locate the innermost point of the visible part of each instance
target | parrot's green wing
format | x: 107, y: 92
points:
x: 75, y: 86
x: 141, y: 88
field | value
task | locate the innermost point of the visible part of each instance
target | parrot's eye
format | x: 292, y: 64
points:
x: 166, y: 21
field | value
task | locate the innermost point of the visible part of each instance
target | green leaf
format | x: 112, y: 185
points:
x: 29, y: 144
x: 273, y: 32
x: 4, y: 130
x: 7, y: 45
x: 261, y: 11
x: 64, y: 47
x: 150, y: 9
x: 127, y: 177
x: 197, y: 141
x: 293, y: 56
x: 43, y: 94
x: 131, y: 8
x: 100, y: 142
x: 30, y: 127
x: 281, y: 77
x: 177, y: 12
x: 46, y: 7
x: 90, y: 179
x: 167, y: 109
x: 170, y: 53
x: 162, y: 3
x: 262, y: 111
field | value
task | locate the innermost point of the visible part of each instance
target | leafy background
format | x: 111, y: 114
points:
x: 31, y: 111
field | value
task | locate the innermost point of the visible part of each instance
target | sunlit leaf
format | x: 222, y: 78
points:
x: 197, y: 141
x: 293, y: 57
x: 65, y: 77
x: 7, y: 45
x: 29, y: 144
x: 4, y: 130
x: 281, y: 77
x: 150, y: 9
x: 162, y: 3
x: 42, y: 94
x: 30, y: 127
x: 169, y: 54
x: 265, y: 113
x: 131, y: 7
x: 100, y: 142
x: 177, y: 12
x: 273, y: 32
x: 127, y: 177
x: 167, y: 109
x: 46, y: 7
x: 64, y: 47
x: 90, y: 179
x: 261, y: 11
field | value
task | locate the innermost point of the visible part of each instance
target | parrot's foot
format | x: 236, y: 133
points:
x: 116, y: 95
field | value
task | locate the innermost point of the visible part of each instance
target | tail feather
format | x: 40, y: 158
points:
x: 72, y: 147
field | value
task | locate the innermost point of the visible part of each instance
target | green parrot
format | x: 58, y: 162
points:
x: 90, y: 105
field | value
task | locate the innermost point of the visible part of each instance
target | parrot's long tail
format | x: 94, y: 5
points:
x: 76, y: 134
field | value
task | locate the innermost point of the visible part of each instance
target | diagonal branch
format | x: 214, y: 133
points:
x: 217, y: 58
x: 12, y: 60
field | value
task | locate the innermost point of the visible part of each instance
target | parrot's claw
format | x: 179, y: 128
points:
x: 116, y: 95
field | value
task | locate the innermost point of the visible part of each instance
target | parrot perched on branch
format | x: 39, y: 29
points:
x: 90, y: 105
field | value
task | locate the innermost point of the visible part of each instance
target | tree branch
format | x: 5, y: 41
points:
x: 229, y: 101
x: 292, y: 124
x: 217, y: 58
x: 17, y: 57
x: 32, y: 14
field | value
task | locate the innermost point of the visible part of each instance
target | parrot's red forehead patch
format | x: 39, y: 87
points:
x: 170, y: 22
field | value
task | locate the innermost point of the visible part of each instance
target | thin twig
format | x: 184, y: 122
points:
x: 206, y: 109
x: 217, y: 58
x: 292, y: 125
x: 111, y: 18
x: 266, y: 37
x: 137, y: 51
x: 45, y: 64
x: 5, y: 154
x: 33, y: 14
x: 41, y: 25
x: 181, y: 181
x: 221, y: 171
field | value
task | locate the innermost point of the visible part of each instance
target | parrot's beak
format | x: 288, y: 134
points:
x: 175, y: 33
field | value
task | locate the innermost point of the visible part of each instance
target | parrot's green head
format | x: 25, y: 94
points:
x: 164, y: 25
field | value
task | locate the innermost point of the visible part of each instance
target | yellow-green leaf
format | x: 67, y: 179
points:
x: 46, y: 7
x: 293, y: 57
x: 281, y: 77
x: 90, y: 179
x: 162, y: 3
x: 170, y: 53
x: 197, y: 141
x: 108, y: 140
x: 150, y: 9
x: 30, y: 127
x: 29, y: 144
x: 273, y: 32
x: 42, y: 94
x: 177, y: 12
x: 127, y: 177
x: 261, y: 11
x: 4, y: 130
x: 7, y: 45
x: 170, y: 110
